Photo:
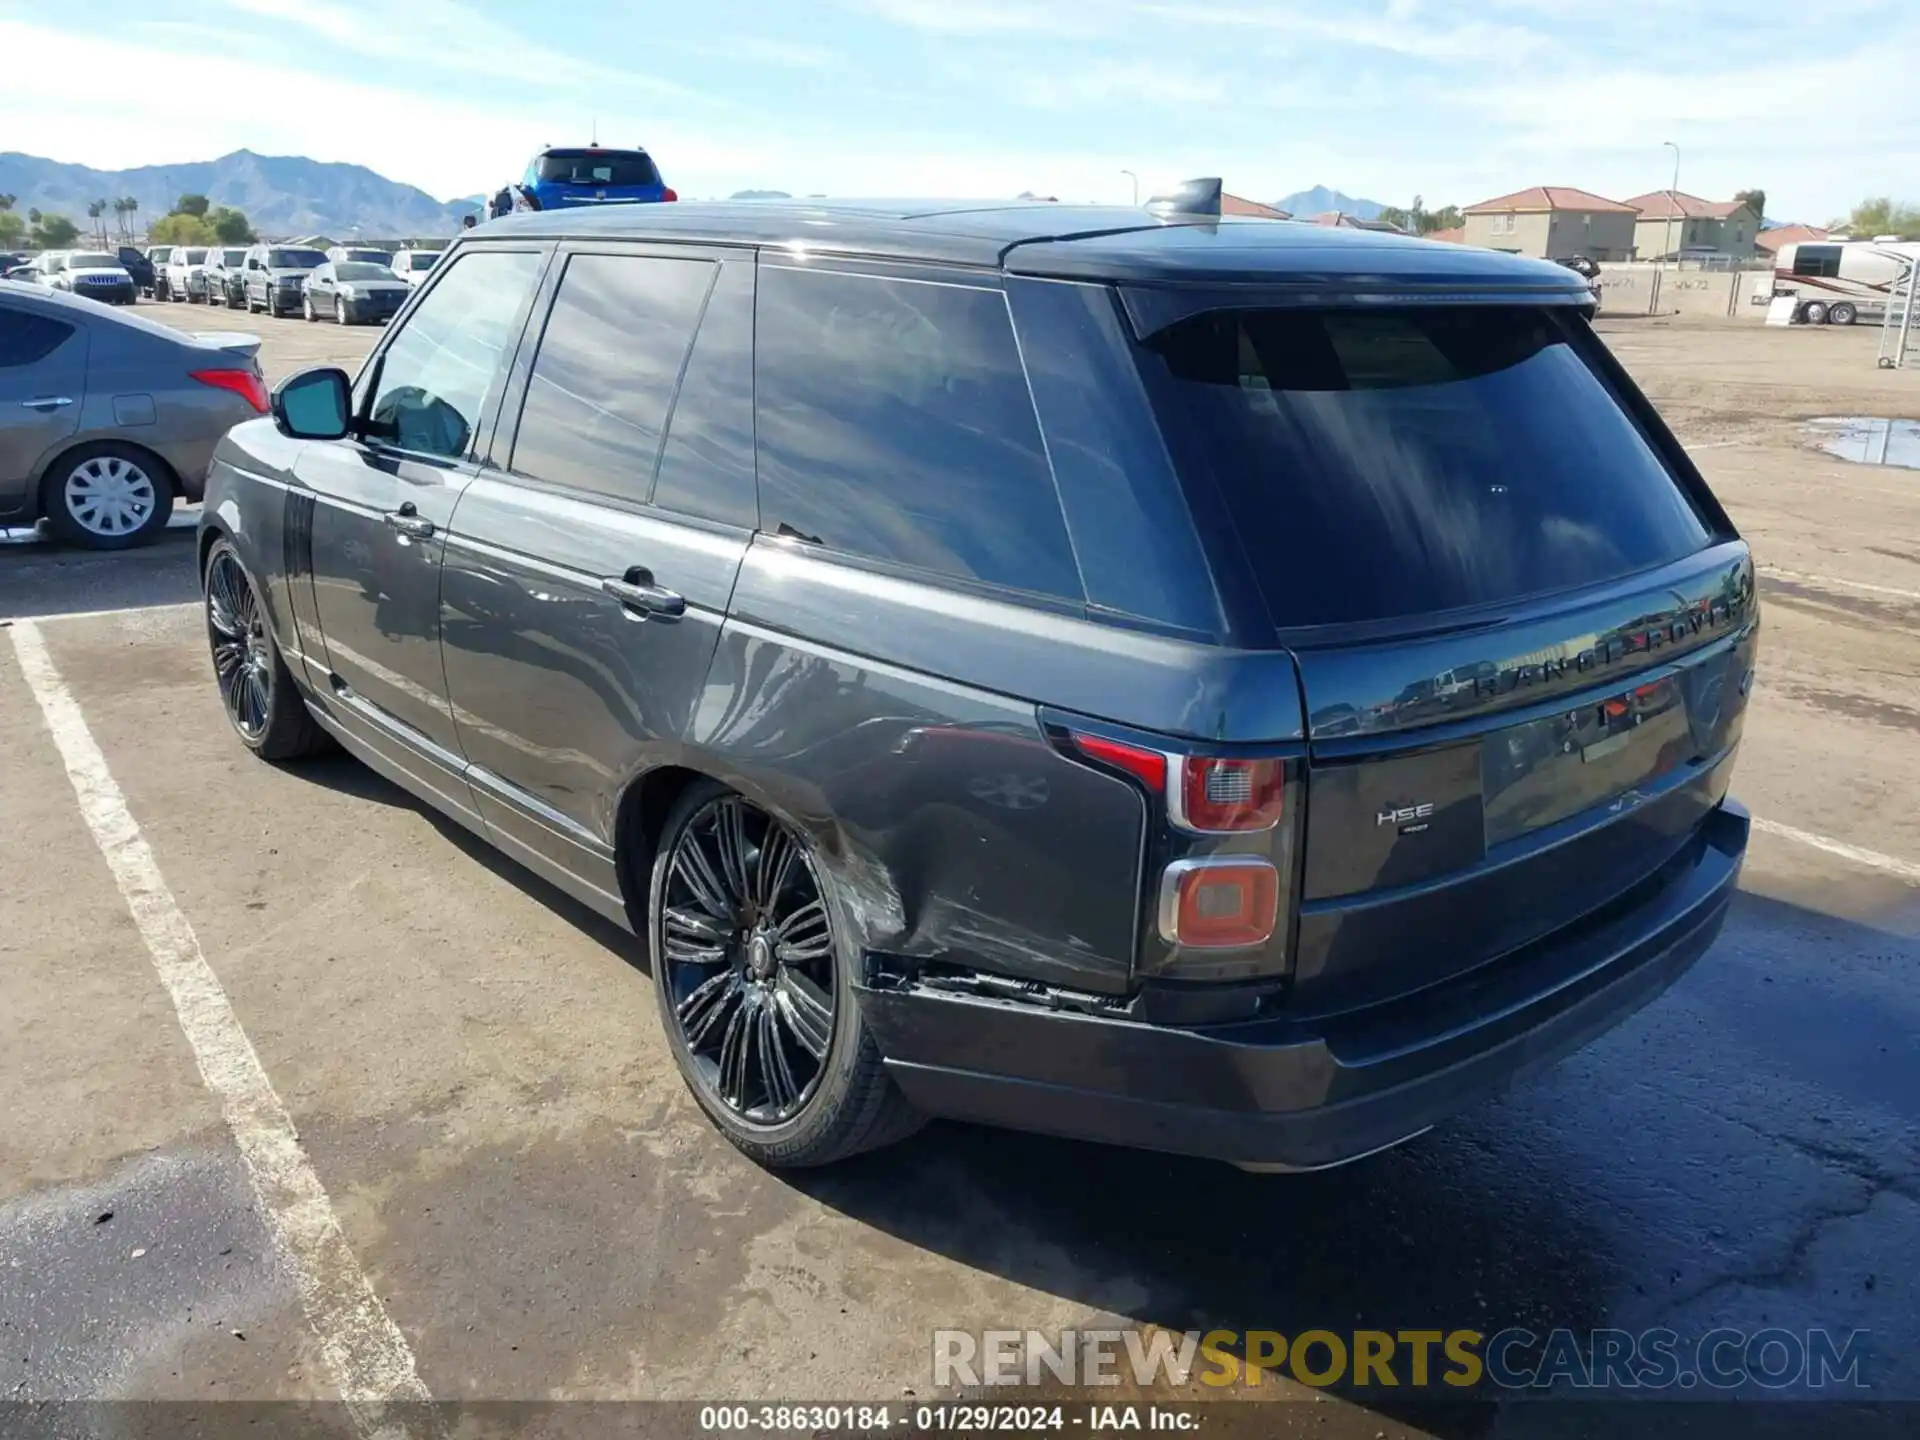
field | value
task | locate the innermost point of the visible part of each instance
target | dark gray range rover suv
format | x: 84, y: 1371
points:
x: 1231, y: 687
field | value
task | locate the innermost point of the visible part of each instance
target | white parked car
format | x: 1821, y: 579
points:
x: 92, y: 275
x: 186, y: 274
x: 412, y: 265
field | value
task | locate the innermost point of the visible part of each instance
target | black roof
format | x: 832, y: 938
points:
x: 1094, y: 242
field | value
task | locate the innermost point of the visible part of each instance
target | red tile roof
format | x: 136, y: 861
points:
x: 1456, y: 236
x: 1790, y: 235
x: 1678, y: 205
x: 1234, y: 205
x: 1341, y: 220
x: 1546, y: 197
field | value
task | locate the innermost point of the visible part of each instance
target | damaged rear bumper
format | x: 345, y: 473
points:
x: 1290, y: 1093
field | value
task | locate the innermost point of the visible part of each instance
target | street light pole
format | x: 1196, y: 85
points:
x: 1673, y: 202
x: 1136, y: 184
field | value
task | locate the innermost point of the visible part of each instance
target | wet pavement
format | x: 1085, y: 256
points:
x: 1869, y: 440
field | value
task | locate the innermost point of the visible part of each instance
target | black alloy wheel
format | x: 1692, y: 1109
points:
x: 746, y: 949
x: 242, y: 653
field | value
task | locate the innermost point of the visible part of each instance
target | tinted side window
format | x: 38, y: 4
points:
x: 1817, y: 261
x: 609, y: 361
x: 436, y: 374
x: 706, y: 465
x: 894, y: 421
x: 26, y: 337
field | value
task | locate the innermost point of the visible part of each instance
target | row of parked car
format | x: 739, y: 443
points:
x: 346, y: 284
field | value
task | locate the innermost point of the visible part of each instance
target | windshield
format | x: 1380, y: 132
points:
x: 352, y: 270
x: 89, y: 260
x: 1387, y: 463
x: 233, y: 257
x: 423, y: 259
x: 371, y: 257
x: 294, y: 259
x: 192, y: 257
x: 598, y: 167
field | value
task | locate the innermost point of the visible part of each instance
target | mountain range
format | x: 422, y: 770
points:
x: 286, y: 195
x: 1317, y: 201
x: 281, y: 195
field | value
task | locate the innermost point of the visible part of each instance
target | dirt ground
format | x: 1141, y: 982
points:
x: 474, y: 1067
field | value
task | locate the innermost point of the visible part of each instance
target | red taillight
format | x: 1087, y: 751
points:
x: 1223, y: 902
x: 1218, y: 796
x: 669, y: 193
x: 1147, y: 766
x: 244, y: 383
x: 1205, y: 795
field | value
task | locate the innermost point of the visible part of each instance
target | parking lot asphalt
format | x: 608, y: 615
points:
x: 475, y: 1072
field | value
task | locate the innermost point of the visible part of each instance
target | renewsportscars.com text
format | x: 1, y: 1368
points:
x: 1444, y: 1360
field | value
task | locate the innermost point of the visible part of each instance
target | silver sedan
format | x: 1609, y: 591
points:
x: 106, y: 418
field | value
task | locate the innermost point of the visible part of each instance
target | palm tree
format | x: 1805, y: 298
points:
x: 132, y: 205
x: 6, y: 201
x: 95, y: 210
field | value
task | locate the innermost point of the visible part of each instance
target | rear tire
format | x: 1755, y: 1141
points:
x: 262, y: 702
x: 307, y: 307
x: 340, y: 312
x: 107, y: 496
x: 1815, y: 313
x: 1842, y: 314
x: 767, y: 997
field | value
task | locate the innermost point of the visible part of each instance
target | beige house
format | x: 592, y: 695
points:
x: 1553, y: 222
x: 1672, y: 220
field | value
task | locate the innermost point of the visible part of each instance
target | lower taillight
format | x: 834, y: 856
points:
x: 1222, y: 902
x: 244, y: 383
x: 667, y: 192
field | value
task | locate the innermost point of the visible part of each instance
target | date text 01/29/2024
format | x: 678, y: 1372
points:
x: 962, y: 1419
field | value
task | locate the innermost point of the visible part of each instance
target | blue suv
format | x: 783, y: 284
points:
x: 590, y: 175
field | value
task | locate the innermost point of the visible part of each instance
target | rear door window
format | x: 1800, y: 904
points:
x: 27, y: 337
x: 1387, y: 463
x: 894, y: 421
x: 609, y: 362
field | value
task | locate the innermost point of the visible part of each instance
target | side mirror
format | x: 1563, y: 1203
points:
x: 313, y: 404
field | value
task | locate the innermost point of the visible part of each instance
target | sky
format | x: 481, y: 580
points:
x: 1386, y: 99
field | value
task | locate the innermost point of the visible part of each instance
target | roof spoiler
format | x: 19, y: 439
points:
x: 1190, y: 197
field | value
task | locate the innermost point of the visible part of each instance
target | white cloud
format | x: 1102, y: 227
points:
x: 983, y: 17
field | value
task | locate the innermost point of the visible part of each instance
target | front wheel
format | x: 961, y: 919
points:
x: 307, y: 310
x: 339, y: 311
x: 1815, y: 313
x: 753, y: 975
x: 256, y: 688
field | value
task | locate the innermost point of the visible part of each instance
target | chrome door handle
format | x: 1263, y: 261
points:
x: 46, y: 402
x: 636, y: 591
x: 409, y: 524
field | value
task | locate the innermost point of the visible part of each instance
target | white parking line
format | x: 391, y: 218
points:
x: 1833, y: 583
x: 365, y: 1354
x: 119, y: 610
x: 1872, y: 859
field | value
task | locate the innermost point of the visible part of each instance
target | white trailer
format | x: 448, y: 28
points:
x: 1840, y: 282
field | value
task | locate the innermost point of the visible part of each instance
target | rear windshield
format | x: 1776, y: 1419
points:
x: 598, y: 167
x: 192, y: 256
x: 422, y: 259
x: 294, y: 259
x: 371, y: 257
x: 1390, y: 463
x: 233, y: 257
x: 354, y: 270
x: 90, y: 260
